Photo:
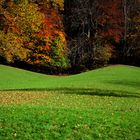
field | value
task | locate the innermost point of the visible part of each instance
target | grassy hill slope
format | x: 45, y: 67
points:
x: 99, y: 104
x: 113, y: 78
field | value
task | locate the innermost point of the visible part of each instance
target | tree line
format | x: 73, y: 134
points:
x: 69, y: 35
x: 102, y: 32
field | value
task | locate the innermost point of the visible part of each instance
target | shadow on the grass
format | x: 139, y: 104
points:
x: 85, y: 91
x: 135, y: 84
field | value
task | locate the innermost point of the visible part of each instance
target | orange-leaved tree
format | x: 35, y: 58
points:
x: 52, y: 50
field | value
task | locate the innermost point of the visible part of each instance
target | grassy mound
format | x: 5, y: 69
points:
x: 99, y: 104
x: 116, y: 79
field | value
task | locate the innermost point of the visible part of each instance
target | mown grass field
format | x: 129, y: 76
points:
x: 99, y: 104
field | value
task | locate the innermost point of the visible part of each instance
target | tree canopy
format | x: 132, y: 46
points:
x: 69, y: 34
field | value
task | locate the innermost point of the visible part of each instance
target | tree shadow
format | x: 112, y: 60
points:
x: 135, y: 84
x: 84, y: 91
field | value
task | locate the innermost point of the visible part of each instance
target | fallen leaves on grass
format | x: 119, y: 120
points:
x: 20, y: 97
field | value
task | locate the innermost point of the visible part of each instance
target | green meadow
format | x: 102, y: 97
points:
x: 98, y: 104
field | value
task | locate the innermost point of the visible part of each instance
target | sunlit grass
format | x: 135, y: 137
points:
x: 62, y: 99
x: 63, y: 116
x: 115, y: 78
x: 100, y: 104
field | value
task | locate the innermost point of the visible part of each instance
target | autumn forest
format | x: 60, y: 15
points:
x: 69, y: 69
x: 56, y: 36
